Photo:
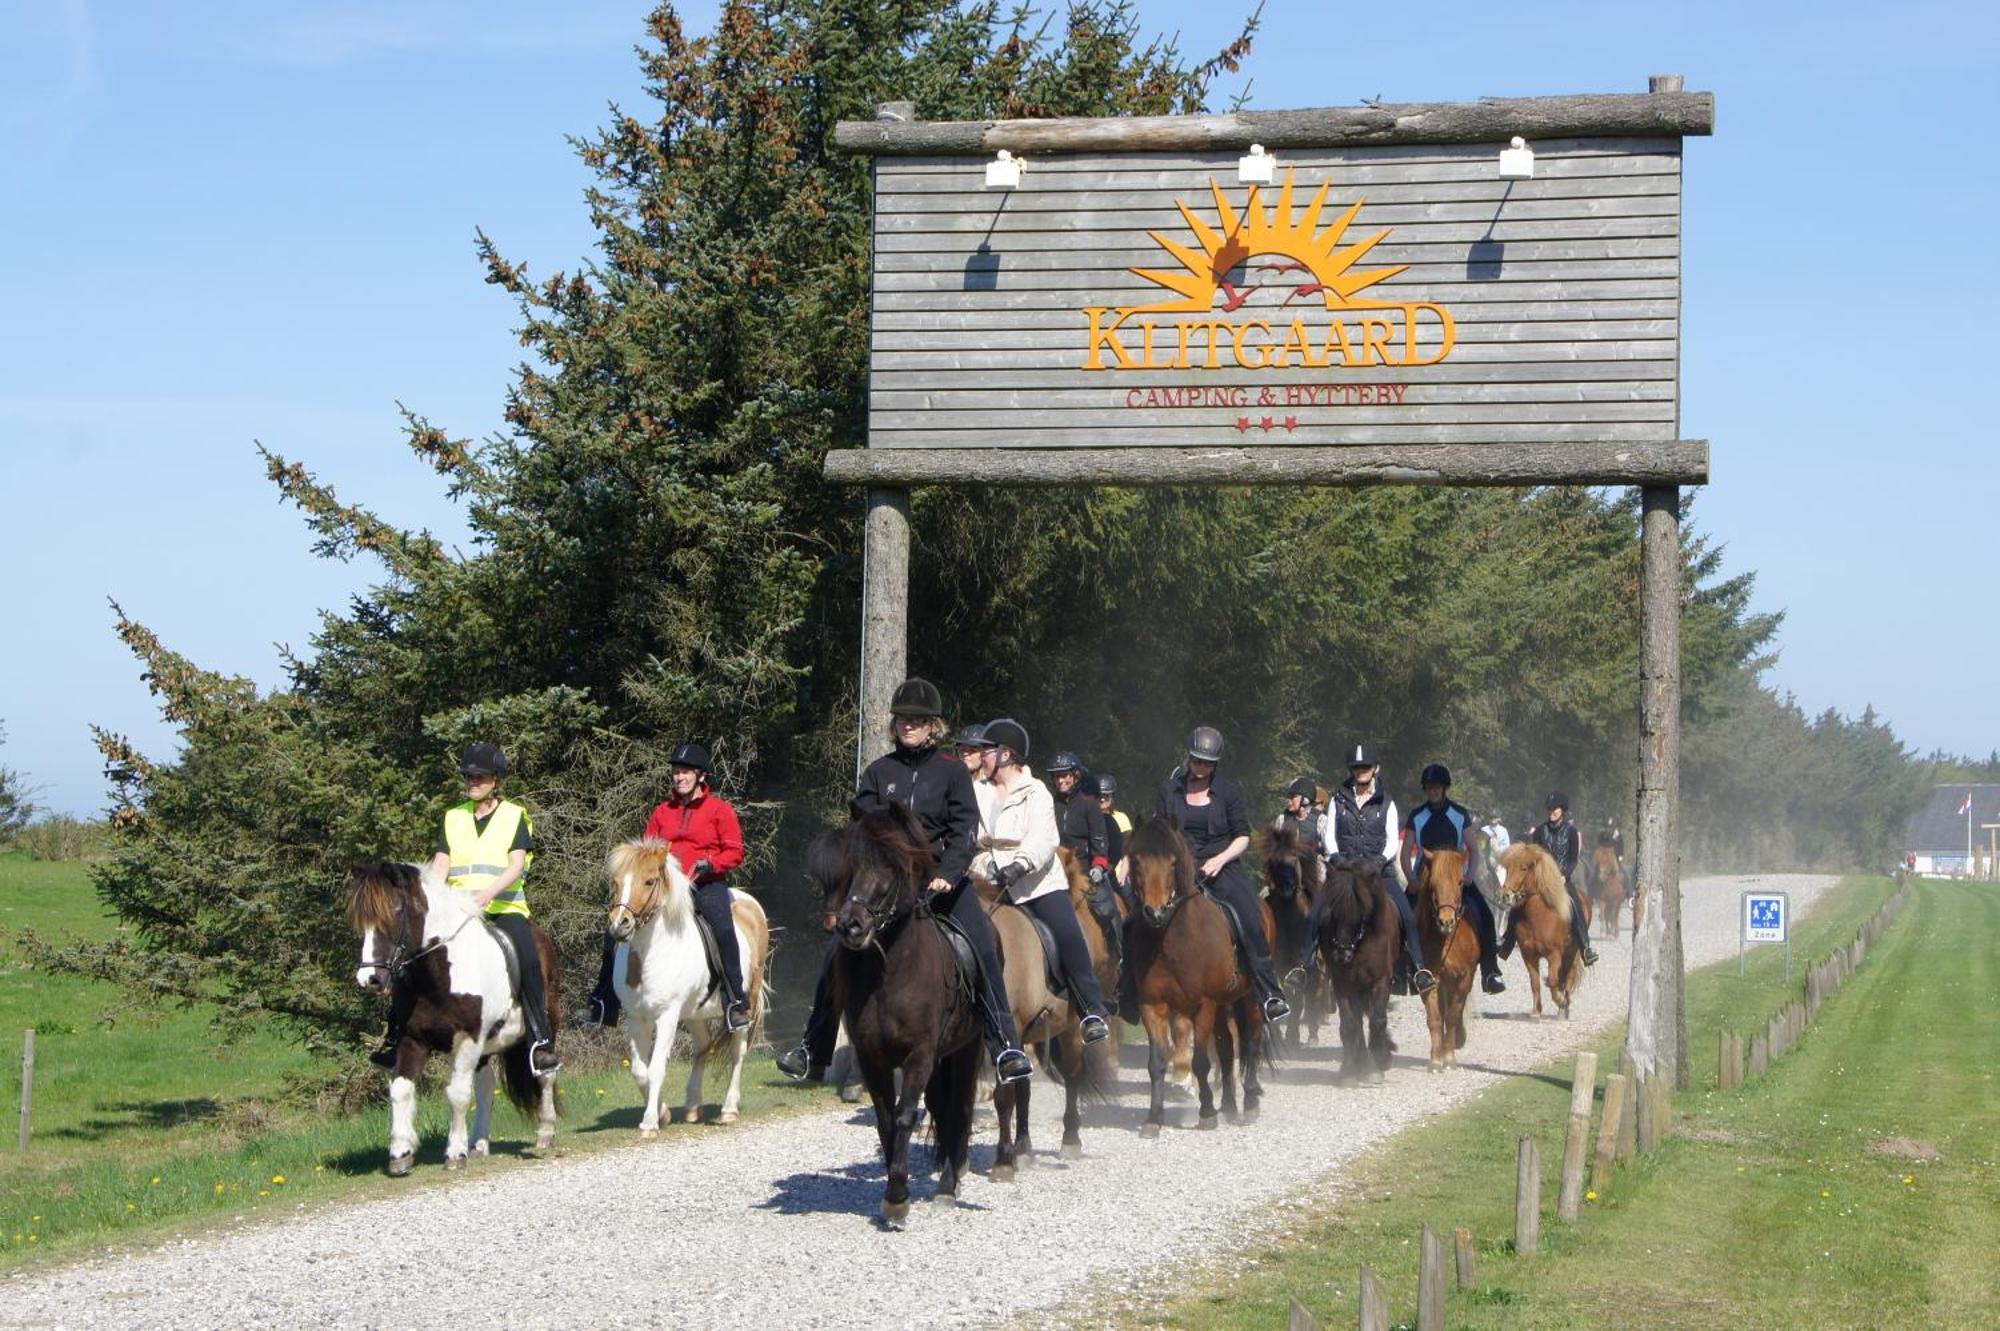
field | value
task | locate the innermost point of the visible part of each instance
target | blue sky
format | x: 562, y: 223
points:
x: 229, y: 222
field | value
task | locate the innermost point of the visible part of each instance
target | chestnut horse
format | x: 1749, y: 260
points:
x: 1609, y: 876
x: 1451, y: 951
x: 1047, y: 1019
x: 1360, y: 938
x: 907, y: 1008
x: 1293, y: 875
x: 1184, y: 966
x: 1540, y: 907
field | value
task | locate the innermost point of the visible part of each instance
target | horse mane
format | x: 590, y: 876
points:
x: 1277, y: 841
x: 376, y: 891
x: 1159, y: 840
x: 650, y: 859
x: 1079, y: 881
x: 823, y: 861
x: 1453, y: 858
x: 1528, y: 867
x: 891, y: 839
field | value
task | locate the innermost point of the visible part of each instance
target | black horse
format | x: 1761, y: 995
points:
x: 1360, y: 937
x: 907, y: 1008
x: 1293, y: 874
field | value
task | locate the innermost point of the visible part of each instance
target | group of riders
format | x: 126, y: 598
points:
x: 989, y: 817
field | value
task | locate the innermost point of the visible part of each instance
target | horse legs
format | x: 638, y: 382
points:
x: 545, y: 1116
x: 703, y: 1036
x: 1005, y: 1096
x: 1252, y: 1032
x: 916, y: 1080
x: 1534, y: 963
x: 482, y: 1107
x: 458, y: 1093
x: 1434, y: 1015
x: 1205, y: 1026
x: 1074, y: 1070
x: 950, y: 1095
x: 1350, y: 1036
x: 1227, y: 1042
x: 656, y: 1070
x: 1378, y: 1030
x: 402, y: 1124
x: 1159, y: 1049
x: 732, y: 1099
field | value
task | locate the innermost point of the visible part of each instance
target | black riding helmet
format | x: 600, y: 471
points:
x: 1007, y: 733
x: 1205, y: 743
x: 1556, y: 800
x: 1437, y: 774
x: 1305, y: 788
x: 974, y: 736
x: 691, y: 755
x: 1363, y: 755
x: 916, y: 697
x: 482, y: 759
x: 1106, y: 784
x: 1064, y: 761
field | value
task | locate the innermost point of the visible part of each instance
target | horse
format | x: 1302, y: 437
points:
x: 1609, y: 876
x: 430, y: 948
x: 661, y: 975
x: 1185, y: 968
x: 1360, y: 939
x: 1451, y: 951
x: 1047, y: 1018
x: 908, y: 1008
x: 1540, y: 905
x: 1293, y: 874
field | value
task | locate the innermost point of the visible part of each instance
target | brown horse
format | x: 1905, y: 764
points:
x: 1293, y: 875
x: 1184, y: 966
x: 1047, y: 1019
x: 1360, y: 938
x: 1451, y: 952
x: 1539, y: 907
x: 1610, y: 879
x: 907, y: 1008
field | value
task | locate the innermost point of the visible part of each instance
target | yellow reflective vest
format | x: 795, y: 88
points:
x: 477, y: 858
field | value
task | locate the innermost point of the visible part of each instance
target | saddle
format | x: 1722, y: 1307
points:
x: 507, y: 953
x: 1051, y: 963
x: 1235, y: 925
x: 966, y: 961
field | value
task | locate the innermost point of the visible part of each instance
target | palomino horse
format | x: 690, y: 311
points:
x: 431, y: 949
x: 1609, y: 876
x: 1360, y: 939
x: 1451, y: 951
x: 1184, y: 966
x: 662, y: 977
x: 907, y: 1007
x: 1294, y: 875
x: 1539, y: 907
x: 1046, y: 1018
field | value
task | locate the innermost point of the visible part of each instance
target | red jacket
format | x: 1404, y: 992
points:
x: 703, y: 828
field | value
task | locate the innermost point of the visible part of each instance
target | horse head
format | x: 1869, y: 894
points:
x: 387, y: 906
x: 646, y: 879
x: 1161, y: 870
x: 885, y: 863
x: 1353, y: 886
x: 1443, y: 879
x: 1283, y: 860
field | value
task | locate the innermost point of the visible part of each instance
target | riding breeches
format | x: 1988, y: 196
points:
x: 964, y: 908
x: 823, y: 1022
x: 1234, y: 889
x: 1578, y: 930
x: 1481, y: 913
x: 1072, y: 953
x: 711, y: 902
x: 534, y: 999
x: 1413, y: 950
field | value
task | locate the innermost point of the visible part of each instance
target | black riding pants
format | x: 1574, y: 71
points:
x: 1072, y: 953
x: 1481, y: 913
x: 534, y: 999
x: 1578, y: 930
x: 1235, y: 890
x: 711, y: 901
x: 1413, y: 950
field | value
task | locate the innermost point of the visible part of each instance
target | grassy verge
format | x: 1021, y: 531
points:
x: 146, y: 1125
x: 1768, y: 1208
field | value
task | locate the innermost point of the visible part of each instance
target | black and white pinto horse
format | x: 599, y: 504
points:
x: 431, y: 949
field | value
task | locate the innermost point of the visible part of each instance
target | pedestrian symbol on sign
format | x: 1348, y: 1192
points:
x: 1767, y: 919
x: 1766, y: 913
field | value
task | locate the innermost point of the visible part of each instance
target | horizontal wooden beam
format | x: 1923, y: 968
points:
x: 1677, y: 462
x: 1493, y: 120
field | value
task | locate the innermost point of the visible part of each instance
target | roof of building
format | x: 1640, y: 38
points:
x: 1938, y: 828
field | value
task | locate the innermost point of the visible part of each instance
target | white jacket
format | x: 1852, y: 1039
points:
x: 1021, y: 830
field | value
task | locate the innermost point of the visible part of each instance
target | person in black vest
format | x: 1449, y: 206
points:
x: 1559, y: 837
x: 1116, y: 825
x: 1086, y: 832
x: 936, y: 788
x: 1361, y: 823
x: 1210, y: 811
x: 1442, y: 823
x: 1302, y: 816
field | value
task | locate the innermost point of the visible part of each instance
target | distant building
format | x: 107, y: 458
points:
x: 1937, y: 832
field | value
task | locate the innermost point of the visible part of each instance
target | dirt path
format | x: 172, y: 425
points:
x: 773, y: 1224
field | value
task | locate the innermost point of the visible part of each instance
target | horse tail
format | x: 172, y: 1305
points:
x: 524, y: 1088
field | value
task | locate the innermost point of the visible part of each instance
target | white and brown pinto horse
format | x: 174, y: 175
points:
x: 662, y: 976
x: 430, y: 948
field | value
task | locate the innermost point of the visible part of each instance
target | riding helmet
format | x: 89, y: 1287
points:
x: 691, y: 755
x: 1007, y: 733
x: 1556, y: 800
x: 1205, y: 743
x: 974, y: 736
x: 1363, y: 755
x: 916, y: 697
x: 1107, y: 785
x: 482, y: 759
x: 1305, y: 788
x: 1437, y: 774
x: 1064, y: 761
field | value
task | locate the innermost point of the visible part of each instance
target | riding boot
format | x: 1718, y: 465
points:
x: 815, y: 1047
x: 534, y: 996
x: 712, y: 900
x: 1105, y: 907
x: 1482, y: 927
x: 602, y: 1007
x: 1421, y: 979
x: 1003, y: 1042
x: 1252, y: 943
x: 1506, y: 947
x: 1578, y: 930
x: 1073, y: 957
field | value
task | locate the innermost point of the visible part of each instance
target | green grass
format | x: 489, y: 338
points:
x: 148, y: 1124
x: 1766, y: 1209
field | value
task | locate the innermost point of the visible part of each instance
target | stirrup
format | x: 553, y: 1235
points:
x: 1423, y: 981
x: 736, y: 1017
x: 1493, y: 984
x: 1012, y: 1065
x: 1095, y: 1028
x: 1276, y: 1008
x: 1590, y: 956
x: 796, y: 1062
x: 600, y: 1012
x: 547, y: 1048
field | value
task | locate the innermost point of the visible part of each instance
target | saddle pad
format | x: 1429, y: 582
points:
x: 712, y: 953
x: 1051, y: 963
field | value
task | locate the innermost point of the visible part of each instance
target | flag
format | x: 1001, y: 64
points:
x: 1966, y: 807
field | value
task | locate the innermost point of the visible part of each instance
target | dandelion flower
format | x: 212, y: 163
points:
x: 1909, y: 1178
x: 218, y: 1189
x: 1590, y: 1196
x: 131, y: 1206
x: 1739, y: 1169
x: 600, y: 1090
x: 263, y: 1192
x: 626, y: 1061
x: 278, y: 1179
x: 319, y: 1169
x: 156, y: 1180
x: 37, y: 1219
x: 34, y: 1238
x: 1824, y: 1193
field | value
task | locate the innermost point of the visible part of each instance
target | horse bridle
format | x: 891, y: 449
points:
x: 400, y: 958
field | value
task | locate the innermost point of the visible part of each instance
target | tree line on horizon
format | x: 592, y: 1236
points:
x: 655, y: 558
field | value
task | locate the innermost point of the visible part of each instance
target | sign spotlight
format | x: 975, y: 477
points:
x: 1517, y: 160
x: 1004, y: 171
x: 1256, y: 169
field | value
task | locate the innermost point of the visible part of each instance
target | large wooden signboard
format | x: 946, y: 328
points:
x: 1368, y: 295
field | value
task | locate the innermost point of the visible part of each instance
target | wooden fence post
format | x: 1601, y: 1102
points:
x: 1576, y: 1143
x: 1374, y: 1303
x: 27, y: 1083
x: 1760, y: 1055
x: 1468, y: 1272
x: 1609, y: 1131
x: 1527, y: 1198
x: 1430, y: 1282
x: 1722, y: 1061
x: 1300, y: 1319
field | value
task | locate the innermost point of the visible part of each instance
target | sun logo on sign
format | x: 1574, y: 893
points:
x: 1296, y: 242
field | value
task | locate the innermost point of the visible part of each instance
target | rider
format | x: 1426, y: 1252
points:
x: 1018, y: 855
x: 1301, y: 816
x: 485, y: 848
x: 1559, y: 837
x: 1362, y: 824
x: 707, y: 840
x: 1117, y: 823
x: 1209, y: 810
x: 1441, y: 823
x: 1087, y: 833
x: 1609, y: 835
x: 937, y: 789
x: 1496, y: 841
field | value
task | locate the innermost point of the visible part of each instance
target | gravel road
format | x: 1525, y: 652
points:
x: 774, y: 1224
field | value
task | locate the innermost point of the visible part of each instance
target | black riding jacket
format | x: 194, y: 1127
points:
x: 1563, y: 843
x: 1209, y: 828
x: 1361, y: 827
x: 1081, y: 826
x: 938, y: 790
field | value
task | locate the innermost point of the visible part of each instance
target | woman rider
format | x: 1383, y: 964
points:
x: 485, y: 848
x: 1361, y: 823
x: 1442, y: 823
x: 1082, y: 827
x: 1559, y: 837
x: 936, y: 788
x: 1211, y: 813
x: 1018, y: 855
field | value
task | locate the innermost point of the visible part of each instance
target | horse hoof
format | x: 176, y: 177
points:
x: 896, y: 1215
x: 545, y: 1141
x: 482, y: 1149
x: 647, y: 1133
x: 1024, y: 1156
x: 1072, y: 1150
x: 727, y: 1116
x: 453, y: 1163
x: 851, y: 1093
x: 944, y: 1201
x: 1207, y: 1123
x: 1252, y: 1114
x: 1001, y: 1174
x: 1149, y: 1129
x: 401, y: 1165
